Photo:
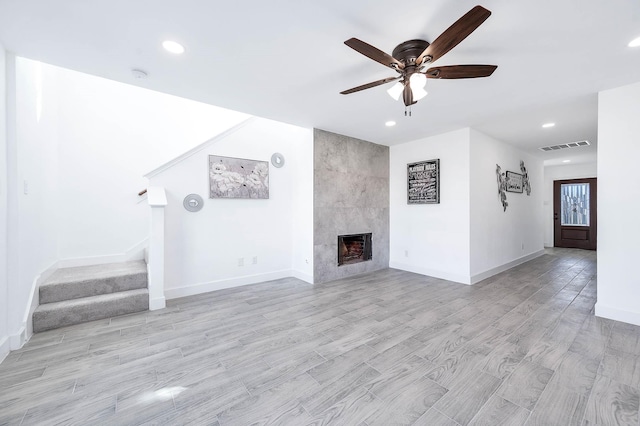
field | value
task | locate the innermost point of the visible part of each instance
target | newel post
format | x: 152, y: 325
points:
x: 157, y: 201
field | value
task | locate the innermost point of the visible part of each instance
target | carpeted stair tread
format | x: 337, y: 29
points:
x: 86, y: 281
x: 60, y: 314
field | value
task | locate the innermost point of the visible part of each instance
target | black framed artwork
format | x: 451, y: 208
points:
x: 423, y: 182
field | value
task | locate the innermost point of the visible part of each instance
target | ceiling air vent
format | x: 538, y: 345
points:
x: 565, y: 145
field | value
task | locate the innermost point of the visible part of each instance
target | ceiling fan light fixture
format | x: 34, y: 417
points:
x: 419, y: 93
x: 417, y: 81
x: 396, y: 90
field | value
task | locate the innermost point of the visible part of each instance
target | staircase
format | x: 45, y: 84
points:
x: 87, y: 293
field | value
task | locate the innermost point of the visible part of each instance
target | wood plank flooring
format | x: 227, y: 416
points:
x: 386, y: 348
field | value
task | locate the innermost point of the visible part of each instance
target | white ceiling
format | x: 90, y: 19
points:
x: 285, y: 60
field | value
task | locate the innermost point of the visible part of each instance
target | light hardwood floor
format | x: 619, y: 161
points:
x: 391, y: 347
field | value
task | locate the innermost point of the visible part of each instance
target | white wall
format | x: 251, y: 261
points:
x: 202, y: 249
x: 468, y: 236
x: 432, y: 239
x: 32, y: 164
x: 552, y: 173
x: 110, y: 135
x: 618, y: 204
x: 302, y: 209
x: 501, y: 239
x: 4, y: 327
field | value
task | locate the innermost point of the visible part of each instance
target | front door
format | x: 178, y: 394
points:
x: 575, y: 213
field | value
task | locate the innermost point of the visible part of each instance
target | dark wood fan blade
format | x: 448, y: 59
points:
x: 407, y: 96
x: 461, y: 71
x: 454, y: 34
x: 374, y: 53
x: 370, y: 85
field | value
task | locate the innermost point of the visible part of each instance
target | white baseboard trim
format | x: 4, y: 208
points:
x: 159, y: 303
x: 90, y: 260
x: 617, y: 314
x: 494, y: 271
x: 5, y: 348
x: 136, y: 252
x: 18, y: 339
x: 461, y: 279
x: 25, y: 331
x: 190, y: 290
x: 302, y: 276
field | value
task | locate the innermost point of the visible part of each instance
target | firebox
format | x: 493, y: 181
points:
x: 354, y: 248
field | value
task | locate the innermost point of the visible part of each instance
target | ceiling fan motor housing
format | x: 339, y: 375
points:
x: 409, y: 51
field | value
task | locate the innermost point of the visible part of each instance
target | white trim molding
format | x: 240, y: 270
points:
x: 135, y: 252
x: 302, y: 276
x: 461, y: 279
x: 198, y: 148
x: 190, y: 290
x: 616, y: 314
x: 494, y: 271
x: 5, y: 348
x: 22, y: 335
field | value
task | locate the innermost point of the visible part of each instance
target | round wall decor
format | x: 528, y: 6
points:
x: 277, y: 160
x: 193, y: 202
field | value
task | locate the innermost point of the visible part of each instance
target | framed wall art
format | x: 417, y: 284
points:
x: 513, y: 182
x: 238, y: 178
x: 423, y: 182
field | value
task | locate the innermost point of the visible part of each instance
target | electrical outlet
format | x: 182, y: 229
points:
x: 522, y: 246
x: 241, y: 261
x: 406, y: 253
x: 255, y: 260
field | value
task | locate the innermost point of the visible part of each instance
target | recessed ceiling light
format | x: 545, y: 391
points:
x: 635, y: 42
x: 390, y: 123
x: 547, y: 125
x: 173, y: 47
x: 566, y: 161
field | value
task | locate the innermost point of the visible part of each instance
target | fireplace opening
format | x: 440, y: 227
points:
x: 354, y: 248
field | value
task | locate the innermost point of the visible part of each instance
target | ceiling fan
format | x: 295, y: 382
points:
x: 411, y: 59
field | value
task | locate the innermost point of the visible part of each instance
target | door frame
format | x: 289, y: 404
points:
x: 593, y: 212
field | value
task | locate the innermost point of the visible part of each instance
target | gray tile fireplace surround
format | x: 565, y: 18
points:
x: 351, y: 196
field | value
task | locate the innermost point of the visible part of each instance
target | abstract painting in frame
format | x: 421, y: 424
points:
x: 238, y: 178
x: 423, y: 182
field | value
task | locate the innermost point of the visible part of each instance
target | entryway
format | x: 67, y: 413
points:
x: 575, y: 213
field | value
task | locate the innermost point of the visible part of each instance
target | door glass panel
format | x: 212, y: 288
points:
x: 574, y: 204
